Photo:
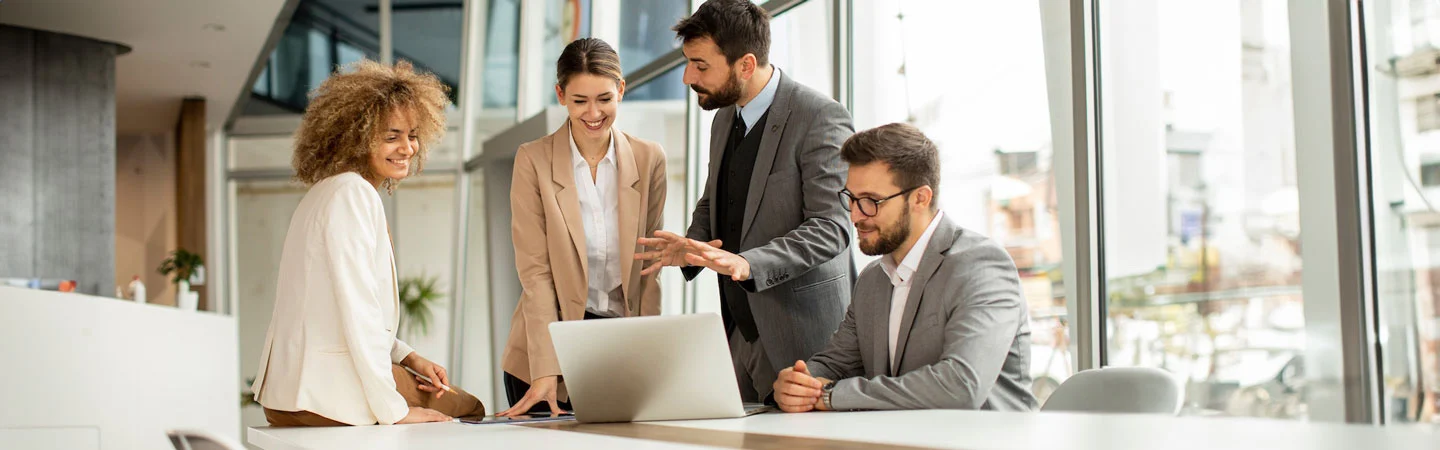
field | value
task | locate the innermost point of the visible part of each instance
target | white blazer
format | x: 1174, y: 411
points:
x: 332, y: 335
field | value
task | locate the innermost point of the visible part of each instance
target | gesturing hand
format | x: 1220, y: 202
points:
x: 722, y: 262
x: 667, y: 249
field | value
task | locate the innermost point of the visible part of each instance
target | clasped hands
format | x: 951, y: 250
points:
x: 670, y: 249
x: 798, y: 391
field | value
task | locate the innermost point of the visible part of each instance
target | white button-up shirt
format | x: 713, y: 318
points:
x: 900, y: 277
x: 599, y: 202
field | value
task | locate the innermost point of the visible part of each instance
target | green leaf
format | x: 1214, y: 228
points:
x: 417, y: 296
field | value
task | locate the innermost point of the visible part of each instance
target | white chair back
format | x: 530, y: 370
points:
x: 1134, y: 390
x: 201, y: 440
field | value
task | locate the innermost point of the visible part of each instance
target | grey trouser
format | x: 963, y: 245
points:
x: 752, y: 368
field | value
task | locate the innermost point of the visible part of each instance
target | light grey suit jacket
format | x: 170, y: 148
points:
x: 964, y: 340
x: 796, y: 234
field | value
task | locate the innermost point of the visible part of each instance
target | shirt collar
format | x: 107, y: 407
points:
x: 578, y: 160
x: 751, y: 112
x: 901, y: 273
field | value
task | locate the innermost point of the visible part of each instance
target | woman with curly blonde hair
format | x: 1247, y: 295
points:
x: 331, y: 356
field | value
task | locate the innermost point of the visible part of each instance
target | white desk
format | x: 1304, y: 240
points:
x: 102, y: 373
x: 970, y: 430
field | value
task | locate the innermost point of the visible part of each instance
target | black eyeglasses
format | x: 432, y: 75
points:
x: 868, y: 206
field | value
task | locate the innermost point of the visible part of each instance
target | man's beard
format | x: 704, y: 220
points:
x: 728, y: 94
x: 889, y: 239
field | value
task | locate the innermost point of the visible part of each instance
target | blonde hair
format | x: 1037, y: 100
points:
x: 349, y: 112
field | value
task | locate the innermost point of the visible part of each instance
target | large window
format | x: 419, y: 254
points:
x: 565, y: 21
x: 429, y: 35
x: 644, y: 27
x: 1402, y: 39
x: 326, y: 34
x: 1201, y: 214
x: 500, y: 67
x: 986, y: 107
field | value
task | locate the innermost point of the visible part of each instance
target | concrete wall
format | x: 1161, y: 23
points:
x: 57, y: 138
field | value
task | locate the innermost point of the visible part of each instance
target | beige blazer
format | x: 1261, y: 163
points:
x: 549, y: 238
x: 332, y: 335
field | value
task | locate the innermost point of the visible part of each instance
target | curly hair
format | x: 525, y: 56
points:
x: 349, y: 112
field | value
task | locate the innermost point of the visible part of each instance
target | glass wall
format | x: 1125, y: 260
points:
x: 991, y: 121
x: 800, y: 45
x: 326, y: 34
x: 430, y: 35
x: 500, y: 70
x: 644, y: 37
x: 1404, y: 110
x: 1201, y: 242
x: 565, y: 21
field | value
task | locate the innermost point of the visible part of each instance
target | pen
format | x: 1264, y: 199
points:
x: 427, y: 379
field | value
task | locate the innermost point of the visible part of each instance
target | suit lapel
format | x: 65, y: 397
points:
x: 562, y: 172
x: 879, y: 333
x: 935, y: 250
x: 719, y: 138
x: 629, y: 210
x: 778, y: 114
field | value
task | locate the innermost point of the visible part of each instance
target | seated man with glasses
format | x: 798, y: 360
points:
x: 938, y: 322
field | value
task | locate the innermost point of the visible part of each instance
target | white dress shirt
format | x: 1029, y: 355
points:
x: 599, y: 201
x: 900, y: 277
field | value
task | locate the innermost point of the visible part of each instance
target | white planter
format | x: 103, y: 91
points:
x: 184, y: 298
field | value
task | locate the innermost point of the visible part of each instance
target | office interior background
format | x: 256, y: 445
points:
x: 1240, y: 192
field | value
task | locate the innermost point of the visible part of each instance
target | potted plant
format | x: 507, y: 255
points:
x: 417, y: 296
x: 183, y: 265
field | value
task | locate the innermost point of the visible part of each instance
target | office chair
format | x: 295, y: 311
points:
x: 201, y: 440
x: 1133, y: 390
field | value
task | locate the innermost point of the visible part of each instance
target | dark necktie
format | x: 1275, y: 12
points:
x: 737, y: 132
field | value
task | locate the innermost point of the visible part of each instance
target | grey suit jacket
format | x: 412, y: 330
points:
x: 795, y: 233
x: 964, y: 340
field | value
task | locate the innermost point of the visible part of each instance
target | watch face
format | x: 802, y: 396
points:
x: 828, y: 386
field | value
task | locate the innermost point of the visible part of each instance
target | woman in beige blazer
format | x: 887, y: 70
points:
x: 331, y: 356
x: 579, y: 200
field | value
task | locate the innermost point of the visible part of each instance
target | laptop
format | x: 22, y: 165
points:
x: 649, y: 368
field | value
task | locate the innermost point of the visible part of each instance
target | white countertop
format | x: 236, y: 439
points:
x: 971, y: 430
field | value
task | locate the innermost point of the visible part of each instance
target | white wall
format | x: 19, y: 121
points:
x: 424, y: 246
x: 128, y: 370
x: 145, y: 217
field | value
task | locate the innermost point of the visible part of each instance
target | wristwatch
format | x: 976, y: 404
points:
x: 825, y: 392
